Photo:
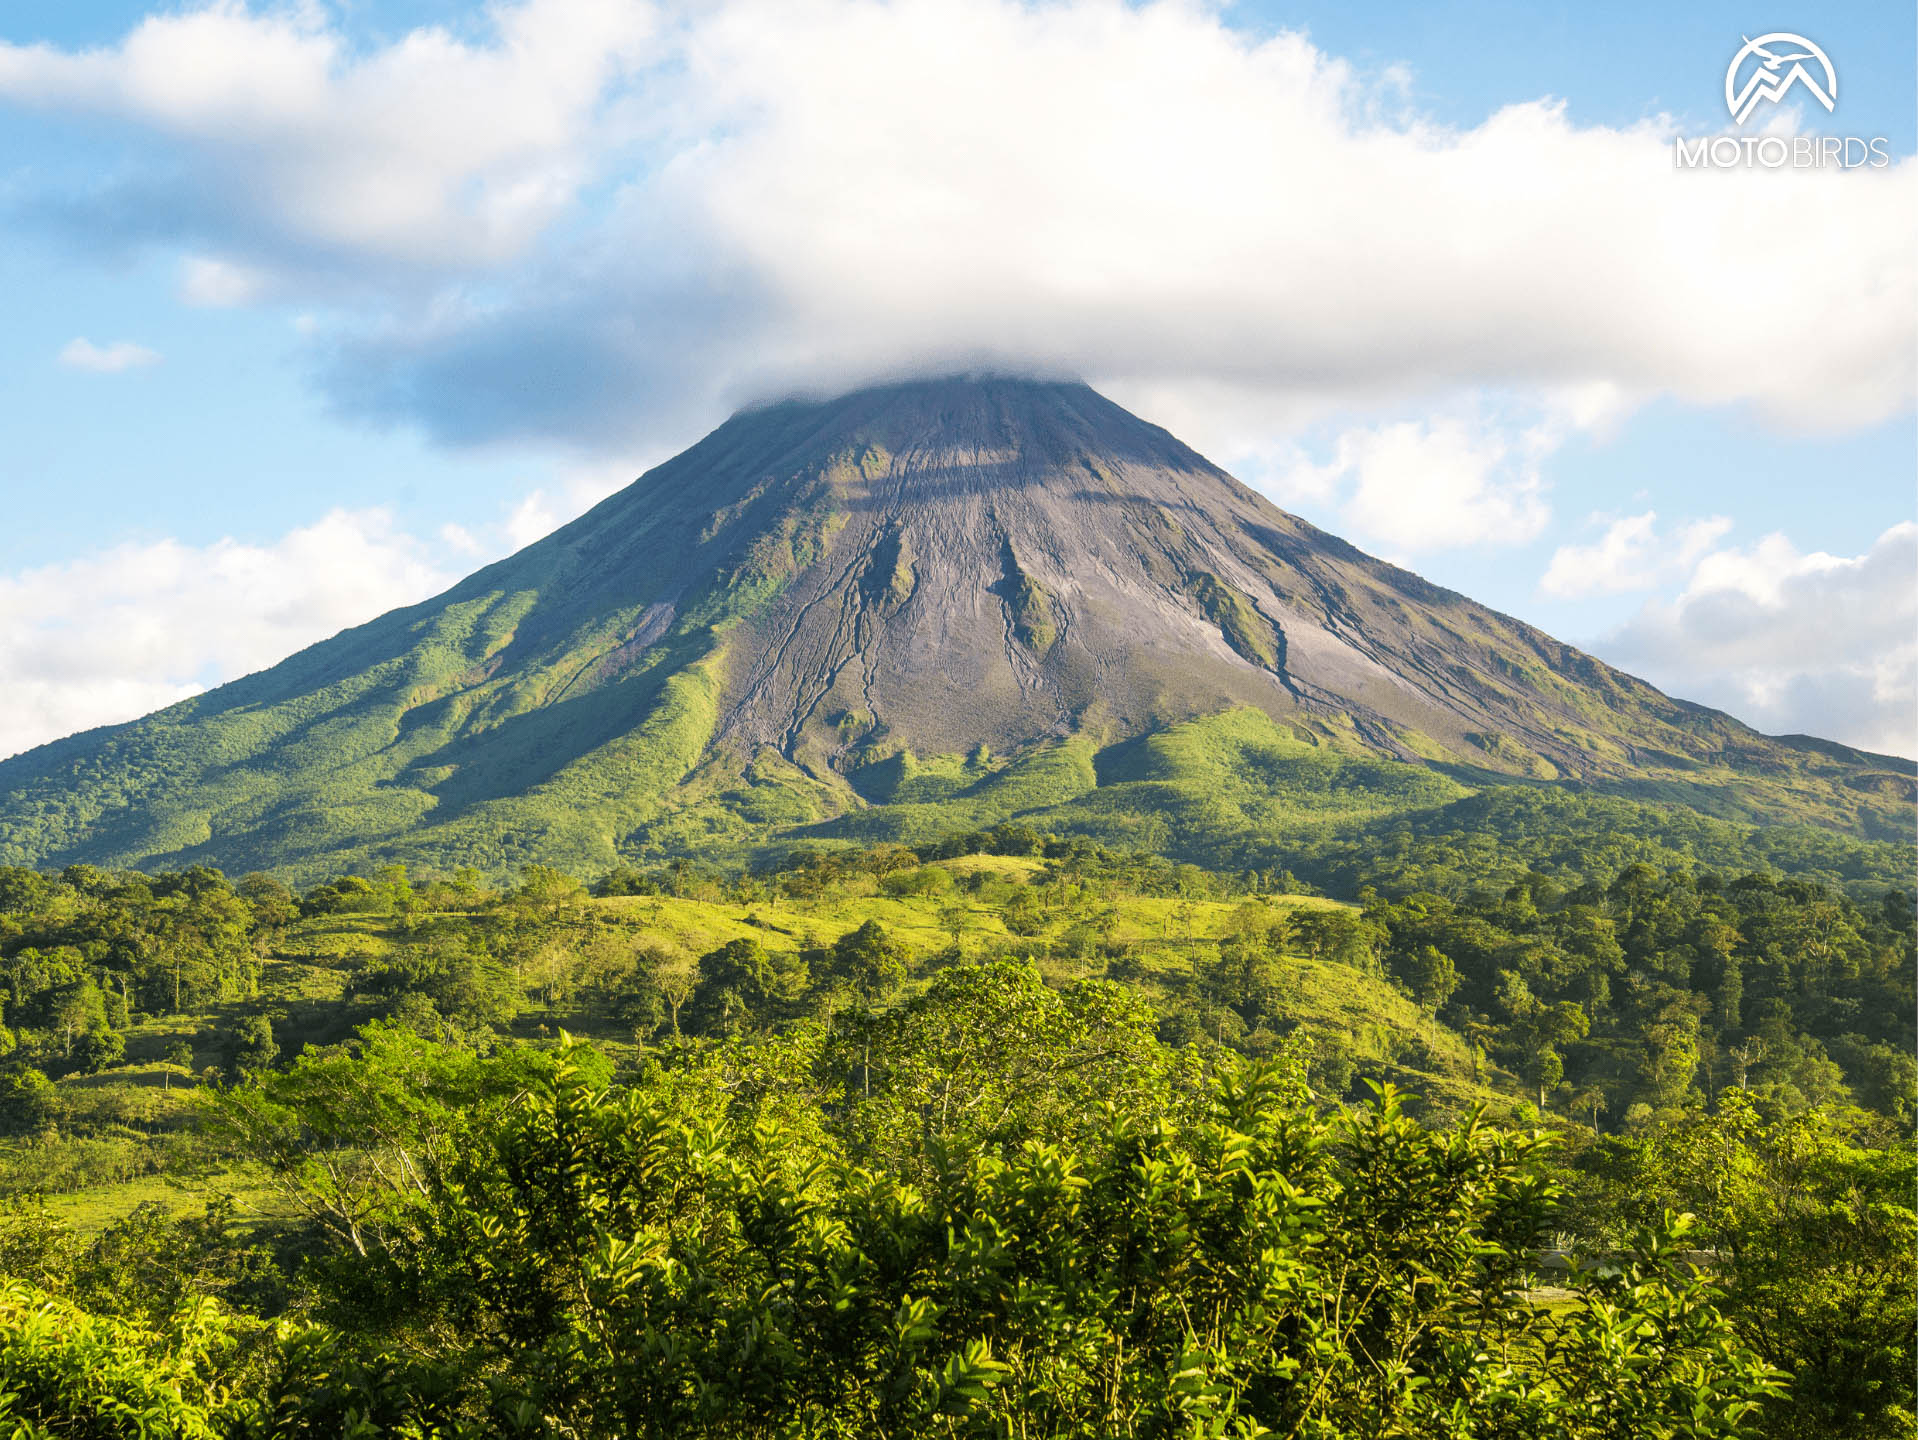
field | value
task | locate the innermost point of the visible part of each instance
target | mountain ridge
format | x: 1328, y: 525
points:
x: 938, y: 567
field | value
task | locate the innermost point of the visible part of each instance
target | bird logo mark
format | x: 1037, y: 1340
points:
x: 1768, y: 80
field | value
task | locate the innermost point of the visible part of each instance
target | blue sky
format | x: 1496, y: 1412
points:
x: 395, y: 286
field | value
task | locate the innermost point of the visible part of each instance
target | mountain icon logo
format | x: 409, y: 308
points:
x: 1768, y: 80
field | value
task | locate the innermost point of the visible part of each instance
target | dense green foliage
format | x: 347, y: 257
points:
x: 1010, y: 1134
x: 1658, y: 991
x: 1820, y: 1233
x: 786, y: 1238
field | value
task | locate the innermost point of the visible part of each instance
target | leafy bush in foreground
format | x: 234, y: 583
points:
x: 995, y: 1209
x: 1001, y: 1210
x: 1261, y: 1270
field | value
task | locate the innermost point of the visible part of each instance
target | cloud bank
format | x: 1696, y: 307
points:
x: 1792, y: 643
x: 164, y: 621
x: 1631, y: 555
x: 606, y: 212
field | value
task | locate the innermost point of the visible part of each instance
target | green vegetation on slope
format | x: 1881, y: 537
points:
x: 1035, y: 621
x: 1244, y: 629
x: 1237, y: 790
x: 540, y: 710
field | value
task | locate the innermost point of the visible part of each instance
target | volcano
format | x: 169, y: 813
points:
x: 779, y: 628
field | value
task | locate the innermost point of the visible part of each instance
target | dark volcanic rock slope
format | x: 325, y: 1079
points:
x: 1013, y: 560
x: 934, y: 567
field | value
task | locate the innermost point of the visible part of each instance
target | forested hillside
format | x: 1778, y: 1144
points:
x: 1234, y: 790
x: 1011, y: 1130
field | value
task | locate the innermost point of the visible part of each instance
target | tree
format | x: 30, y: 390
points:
x: 641, y: 1005
x: 923, y: 881
x: 1430, y: 975
x: 1337, y: 935
x: 1591, y: 1101
x: 250, y: 1046
x: 346, y: 895
x: 177, y: 1054
x: 675, y: 975
x: 543, y: 887
x: 550, y: 969
x: 1024, y: 914
x: 1670, y: 1053
x: 1262, y: 926
x: 76, y: 1009
x: 955, y: 919
x: 100, y: 1049
x: 28, y: 1099
x: 869, y: 959
x: 1546, y: 1070
x: 736, y: 983
x: 989, y: 1053
x: 397, y: 886
x: 350, y: 1135
x: 274, y: 906
x: 464, y: 983
x: 1560, y: 1024
x: 1332, y: 1064
x: 1242, y: 976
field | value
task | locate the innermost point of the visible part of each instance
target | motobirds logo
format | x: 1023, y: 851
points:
x: 1764, y: 73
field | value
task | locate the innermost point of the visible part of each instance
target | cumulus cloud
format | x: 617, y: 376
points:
x: 82, y: 354
x: 1413, y: 486
x: 1792, y: 642
x: 608, y: 215
x: 573, y: 491
x: 112, y: 636
x: 220, y: 284
x: 297, y: 151
x: 1630, y: 555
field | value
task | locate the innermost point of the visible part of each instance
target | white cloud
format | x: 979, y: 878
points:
x: 220, y: 284
x: 1791, y: 642
x: 532, y: 519
x: 544, y: 510
x: 460, y: 540
x: 82, y: 354
x: 115, y: 635
x: 1464, y: 475
x: 1414, y: 486
x: 821, y: 191
x: 430, y: 151
x: 1631, y: 555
